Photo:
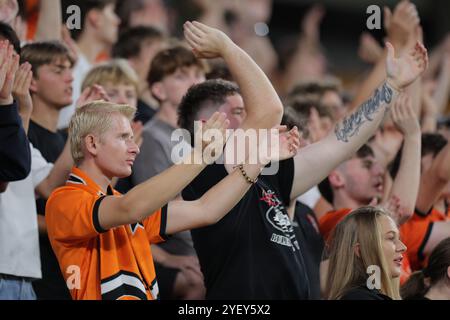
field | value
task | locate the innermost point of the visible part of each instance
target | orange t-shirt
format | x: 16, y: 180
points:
x: 415, y: 233
x: 113, y: 264
x: 328, y: 221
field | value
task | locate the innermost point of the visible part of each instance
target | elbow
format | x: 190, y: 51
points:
x: 208, y: 215
x: 405, y: 214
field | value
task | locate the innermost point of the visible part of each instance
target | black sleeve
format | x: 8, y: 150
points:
x: 15, y: 155
x: 207, y: 179
x: 286, y: 180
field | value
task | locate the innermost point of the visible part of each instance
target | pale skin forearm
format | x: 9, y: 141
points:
x: 349, y: 135
x: 213, y: 205
x: 49, y: 21
x: 434, y: 180
x: 144, y: 199
x: 159, y: 255
x: 442, y: 90
x: 406, y: 183
x: 58, y: 175
x: 262, y: 104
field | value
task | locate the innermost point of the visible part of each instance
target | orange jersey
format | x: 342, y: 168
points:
x: 328, y: 221
x: 96, y: 263
x: 415, y: 233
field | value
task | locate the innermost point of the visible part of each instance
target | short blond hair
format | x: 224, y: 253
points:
x: 93, y: 118
x: 117, y: 71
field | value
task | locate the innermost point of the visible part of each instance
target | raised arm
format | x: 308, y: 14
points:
x: 262, y: 104
x: 406, y: 183
x: 442, y: 91
x: 15, y: 157
x: 354, y: 130
x: 58, y: 175
x: 434, y: 180
x: 219, y: 200
x: 400, y: 27
x: 49, y: 21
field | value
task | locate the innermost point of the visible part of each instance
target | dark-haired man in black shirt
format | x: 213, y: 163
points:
x: 253, y: 253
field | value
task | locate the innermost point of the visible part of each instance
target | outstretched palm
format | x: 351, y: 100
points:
x: 403, y: 70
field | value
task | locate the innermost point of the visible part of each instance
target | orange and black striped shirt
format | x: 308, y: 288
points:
x: 96, y: 263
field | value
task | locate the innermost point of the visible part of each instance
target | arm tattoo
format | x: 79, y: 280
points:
x: 350, y: 125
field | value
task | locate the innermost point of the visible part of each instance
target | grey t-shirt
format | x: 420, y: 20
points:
x: 154, y: 158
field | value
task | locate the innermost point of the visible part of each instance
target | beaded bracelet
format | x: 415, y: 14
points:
x: 245, y: 175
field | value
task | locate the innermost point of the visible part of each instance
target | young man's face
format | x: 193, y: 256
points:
x: 108, y: 25
x: 363, y: 179
x: 234, y: 109
x: 117, y: 150
x: 121, y: 93
x: 53, y: 83
x: 172, y: 88
x: 149, y: 49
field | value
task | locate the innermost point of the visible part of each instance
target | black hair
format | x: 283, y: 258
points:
x: 7, y: 32
x: 211, y: 93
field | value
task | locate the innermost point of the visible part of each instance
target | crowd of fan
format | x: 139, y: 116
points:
x: 359, y: 205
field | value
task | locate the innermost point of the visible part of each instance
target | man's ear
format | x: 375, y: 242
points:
x: 158, y: 91
x: 93, y: 17
x: 33, y: 85
x: 336, y: 179
x: 91, y: 144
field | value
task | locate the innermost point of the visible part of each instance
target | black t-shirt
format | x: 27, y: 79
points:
x: 364, y: 293
x: 144, y: 112
x: 252, y: 253
x: 311, y: 242
x: 52, y: 285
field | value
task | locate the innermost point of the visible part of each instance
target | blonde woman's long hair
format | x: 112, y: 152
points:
x: 346, y: 269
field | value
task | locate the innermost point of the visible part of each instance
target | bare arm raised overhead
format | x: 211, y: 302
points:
x: 355, y: 129
x: 262, y: 104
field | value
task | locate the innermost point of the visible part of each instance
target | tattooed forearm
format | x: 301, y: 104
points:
x: 350, y: 125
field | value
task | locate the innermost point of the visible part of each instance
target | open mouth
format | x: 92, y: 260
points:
x: 379, y: 186
x: 399, y: 261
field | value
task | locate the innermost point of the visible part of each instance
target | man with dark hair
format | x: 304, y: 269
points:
x: 139, y: 45
x: 8, y: 33
x: 98, y: 33
x: 253, y: 252
x: 430, y: 223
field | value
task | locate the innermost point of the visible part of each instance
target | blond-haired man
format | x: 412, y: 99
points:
x: 102, y: 239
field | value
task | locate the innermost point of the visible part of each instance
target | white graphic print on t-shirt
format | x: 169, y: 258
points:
x: 277, y: 217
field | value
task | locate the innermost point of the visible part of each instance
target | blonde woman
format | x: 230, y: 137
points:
x: 365, y: 257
